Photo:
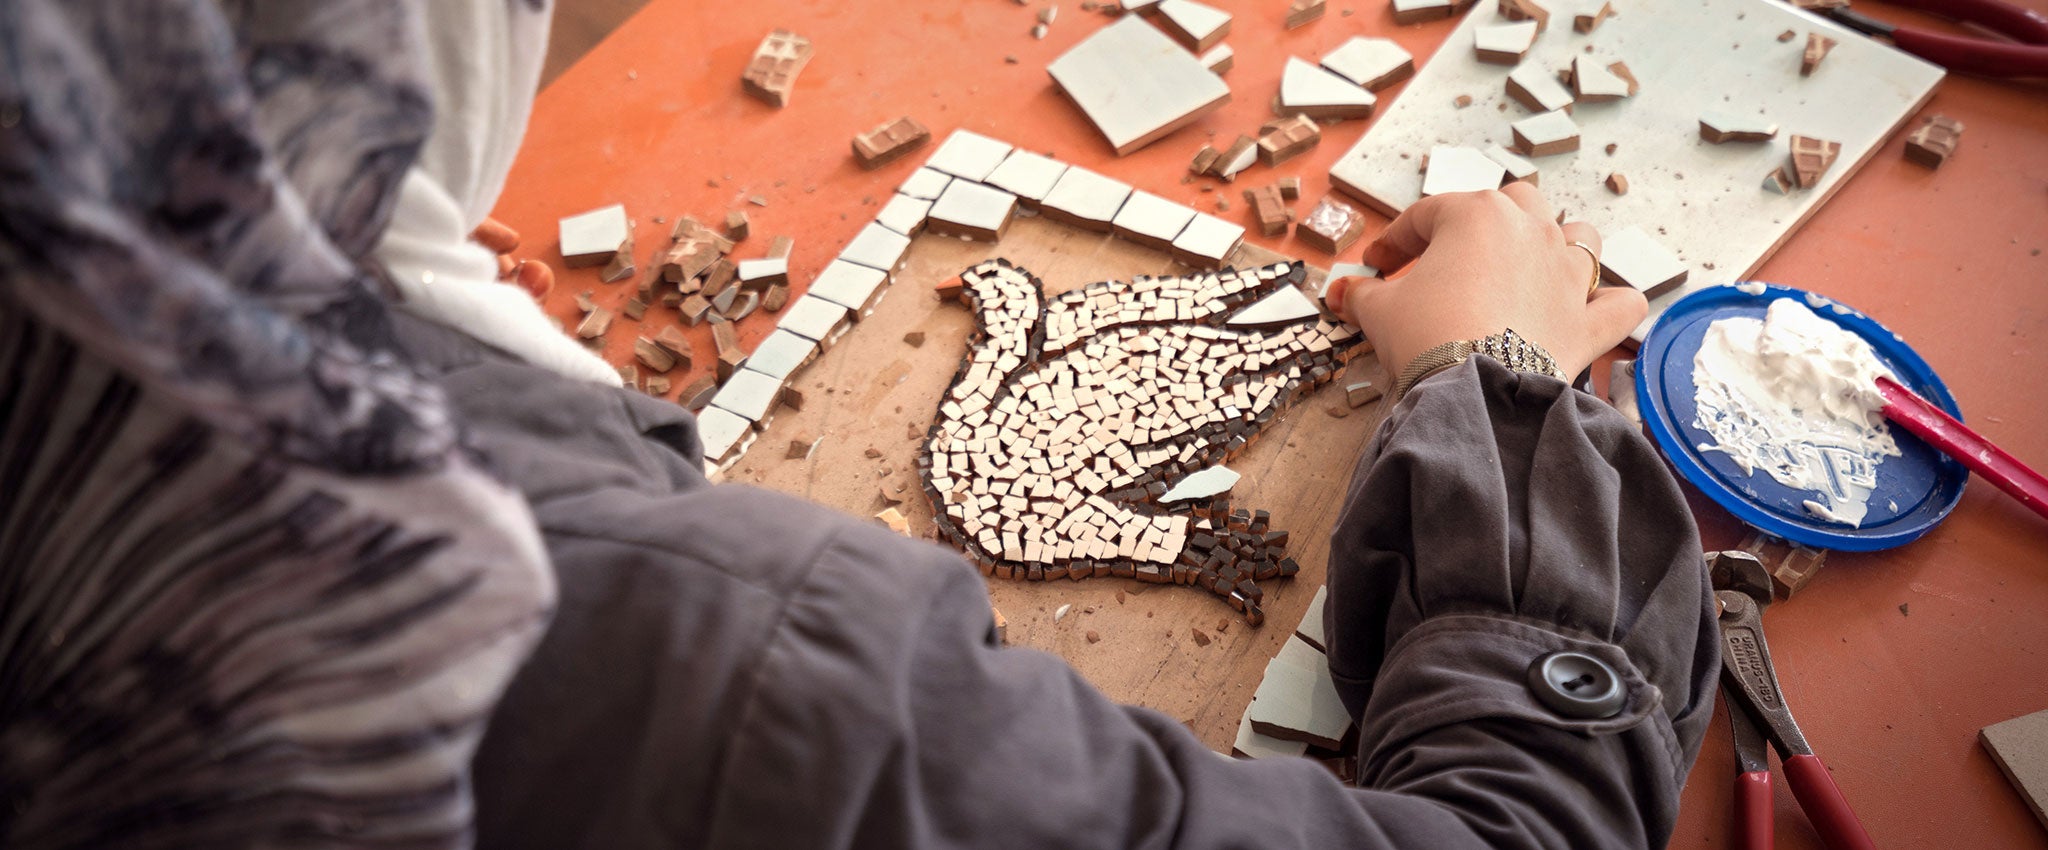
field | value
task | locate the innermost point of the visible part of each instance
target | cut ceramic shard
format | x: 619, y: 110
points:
x: 590, y: 239
x: 1593, y: 82
x: 1151, y: 221
x: 1504, y: 44
x: 1085, y: 199
x: 1207, y: 241
x: 1418, y: 11
x: 968, y: 154
x: 815, y: 319
x: 1721, y: 126
x: 1135, y: 84
x: 1220, y: 59
x: 1195, y: 25
x: 1547, y: 134
x: 876, y: 247
x: 1252, y: 745
x: 1286, y: 305
x: 925, y: 184
x: 1027, y: 175
x: 1204, y: 485
x: 904, y: 214
x: 1311, y: 628
x: 1455, y: 168
x: 1633, y: 258
x: 1538, y: 90
x: 1934, y: 141
x: 1812, y: 158
x: 1298, y: 702
x: 781, y: 354
x: 1518, y: 168
x: 850, y: 285
x: 973, y: 211
x: 1372, y: 63
x: 1308, y: 90
x: 725, y: 435
x: 749, y: 394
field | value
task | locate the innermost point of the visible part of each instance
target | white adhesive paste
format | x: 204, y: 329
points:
x: 1796, y: 396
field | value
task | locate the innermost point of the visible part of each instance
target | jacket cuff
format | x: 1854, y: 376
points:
x: 1459, y: 668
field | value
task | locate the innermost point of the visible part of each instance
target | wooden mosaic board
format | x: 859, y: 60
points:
x: 872, y: 390
x: 1702, y: 201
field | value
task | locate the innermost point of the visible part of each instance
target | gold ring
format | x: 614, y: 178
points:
x: 1591, y: 255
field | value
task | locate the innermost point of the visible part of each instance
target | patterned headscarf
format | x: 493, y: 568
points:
x: 254, y: 589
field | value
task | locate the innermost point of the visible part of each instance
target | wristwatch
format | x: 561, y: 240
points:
x: 1507, y: 347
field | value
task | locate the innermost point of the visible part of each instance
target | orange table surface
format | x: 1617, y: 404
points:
x: 1892, y: 661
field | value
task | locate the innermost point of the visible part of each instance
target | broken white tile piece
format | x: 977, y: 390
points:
x: 1412, y: 11
x: 1135, y: 84
x: 748, y: 394
x: 1518, y: 168
x: 1150, y: 219
x: 814, y: 318
x: 1308, y: 90
x: 1537, y: 89
x: 876, y: 247
x: 1504, y: 44
x: 1299, y: 705
x: 1546, y: 134
x: 1338, y: 270
x: 1252, y: 745
x: 1219, y: 59
x: 1633, y: 258
x: 725, y: 435
x: 1300, y: 654
x: 1205, y: 484
x: 1286, y: 305
x: 904, y: 214
x: 1196, y: 25
x: 973, y: 210
x: 766, y: 269
x: 1593, y: 82
x: 925, y: 184
x: 1208, y: 240
x: 1311, y: 628
x: 968, y: 154
x: 850, y: 285
x: 1455, y: 168
x: 1372, y: 63
x: 591, y: 238
x: 1721, y: 126
x: 1085, y: 199
x: 1027, y: 175
x: 781, y: 354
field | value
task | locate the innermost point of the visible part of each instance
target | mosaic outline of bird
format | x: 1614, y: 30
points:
x: 1071, y: 417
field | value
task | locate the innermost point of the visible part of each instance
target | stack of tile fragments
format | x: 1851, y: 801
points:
x: 971, y: 187
x: 1296, y: 711
x: 1058, y: 438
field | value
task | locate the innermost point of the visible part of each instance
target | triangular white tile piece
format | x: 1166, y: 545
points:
x: 1286, y: 304
x: 1454, y: 168
x: 1305, y: 86
x: 1206, y: 484
x: 1369, y: 62
x: 1195, y: 19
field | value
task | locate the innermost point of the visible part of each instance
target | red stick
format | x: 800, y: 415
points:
x: 1943, y: 432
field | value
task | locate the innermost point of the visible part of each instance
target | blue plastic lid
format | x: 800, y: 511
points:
x: 1915, y: 491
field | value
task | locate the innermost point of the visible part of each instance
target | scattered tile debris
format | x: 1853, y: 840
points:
x: 1817, y: 47
x: 1526, y: 10
x: 1811, y: 158
x: 1332, y: 226
x: 1504, y: 44
x: 1546, y: 134
x: 1220, y: 59
x: 1590, y: 18
x: 1309, y: 90
x: 1934, y: 141
x: 1301, y: 13
x: 1293, y: 137
x: 1617, y: 183
x: 591, y: 238
x: 771, y: 74
x: 1419, y: 11
x: 889, y: 142
x: 1633, y: 258
x: 1196, y: 26
x: 1537, y: 90
x: 1593, y: 82
x: 1721, y: 127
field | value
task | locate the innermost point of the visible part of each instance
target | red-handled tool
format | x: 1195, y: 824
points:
x: 2025, y: 56
x: 1757, y: 712
x: 1934, y: 426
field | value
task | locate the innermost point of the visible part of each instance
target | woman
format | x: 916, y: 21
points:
x: 307, y: 537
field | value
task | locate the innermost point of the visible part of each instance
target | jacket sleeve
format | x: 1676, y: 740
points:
x: 1495, y: 518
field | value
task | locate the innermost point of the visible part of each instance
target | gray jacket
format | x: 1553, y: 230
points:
x: 730, y: 667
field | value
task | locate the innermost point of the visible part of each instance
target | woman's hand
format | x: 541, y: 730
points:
x: 1484, y: 261
x: 533, y: 276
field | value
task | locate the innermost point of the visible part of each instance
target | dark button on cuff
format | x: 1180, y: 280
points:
x: 1576, y: 685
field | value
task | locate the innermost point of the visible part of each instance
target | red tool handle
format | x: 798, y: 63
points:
x: 2022, y: 25
x: 1824, y: 804
x: 1966, y: 55
x: 1753, y: 827
x: 1931, y: 424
